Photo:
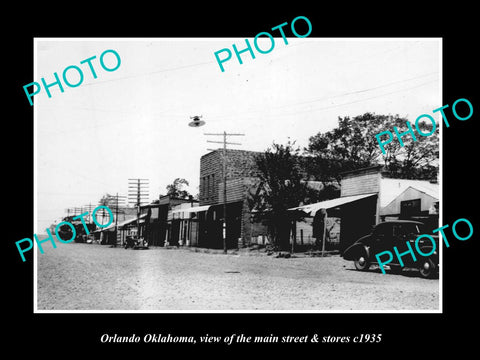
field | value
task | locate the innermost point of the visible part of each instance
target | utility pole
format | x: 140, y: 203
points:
x: 138, y: 195
x: 113, y: 203
x: 89, y: 208
x: 324, y: 230
x: 225, y: 143
x: 104, y: 201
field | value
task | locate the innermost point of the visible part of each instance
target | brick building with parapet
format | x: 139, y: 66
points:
x: 241, y: 174
x: 367, y: 197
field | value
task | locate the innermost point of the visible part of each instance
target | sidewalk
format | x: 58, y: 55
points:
x: 256, y: 251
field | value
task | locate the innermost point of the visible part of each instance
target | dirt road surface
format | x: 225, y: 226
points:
x: 95, y: 277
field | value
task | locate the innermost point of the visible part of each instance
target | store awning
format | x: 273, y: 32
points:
x: 192, y: 209
x: 123, y: 223
x: 311, y: 209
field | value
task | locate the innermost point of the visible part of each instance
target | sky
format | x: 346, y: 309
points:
x: 133, y: 122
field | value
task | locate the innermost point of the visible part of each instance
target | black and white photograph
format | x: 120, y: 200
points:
x: 225, y: 182
x: 241, y: 190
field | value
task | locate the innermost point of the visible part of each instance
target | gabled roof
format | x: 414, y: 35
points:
x: 429, y: 190
x: 391, y: 188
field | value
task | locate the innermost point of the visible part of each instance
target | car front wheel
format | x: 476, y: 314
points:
x: 428, y: 269
x: 362, y: 262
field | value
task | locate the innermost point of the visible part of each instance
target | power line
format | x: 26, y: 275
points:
x: 94, y: 82
x: 137, y: 192
x: 79, y: 174
x: 56, y: 193
x: 118, y: 201
x: 224, y: 172
x: 358, y: 91
x: 337, y: 96
x: 330, y: 106
x: 352, y: 102
x: 150, y: 73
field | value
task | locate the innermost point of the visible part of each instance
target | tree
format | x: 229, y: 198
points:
x: 280, y: 186
x: 106, y: 200
x: 176, y: 189
x: 353, y: 145
x: 65, y: 231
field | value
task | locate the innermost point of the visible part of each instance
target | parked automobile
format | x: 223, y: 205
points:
x: 135, y: 243
x: 384, y: 237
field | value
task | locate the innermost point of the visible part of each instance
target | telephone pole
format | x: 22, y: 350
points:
x: 225, y: 143
x: 89, y: 208
x: 114, y: 201
x: 138, y: 195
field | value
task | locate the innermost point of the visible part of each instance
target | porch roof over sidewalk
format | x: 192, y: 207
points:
x: 123, y: 223
x: 192, y: 209
x: 311, y: 209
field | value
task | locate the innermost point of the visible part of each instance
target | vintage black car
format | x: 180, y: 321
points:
x: 384, y: 237
x: 135, y: 243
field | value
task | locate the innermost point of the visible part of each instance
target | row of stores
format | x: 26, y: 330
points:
x: 182, y: 224
x: 366, y: 199
x: 341, y: 221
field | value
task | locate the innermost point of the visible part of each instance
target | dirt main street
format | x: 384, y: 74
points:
x: 94, y: 277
